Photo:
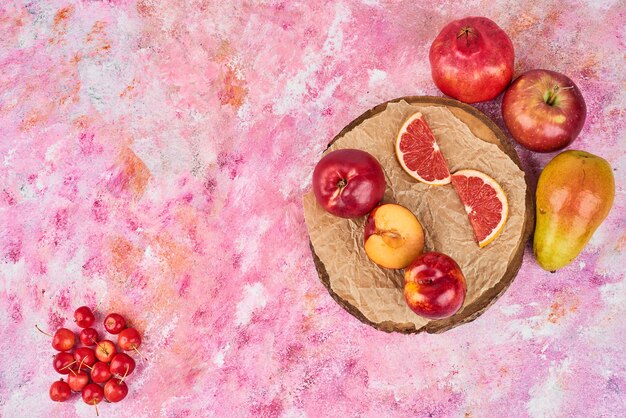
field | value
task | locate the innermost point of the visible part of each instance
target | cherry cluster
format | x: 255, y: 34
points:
x: 96, y: 369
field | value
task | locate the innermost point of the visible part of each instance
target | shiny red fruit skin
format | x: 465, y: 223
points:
x: 105, y: 350
x: 115, y: 390
x: 63, y: 340
x: 537, y: 125
x: 348, y: 183
x: 78, y: 380
x: 92, y: 394
x: 89, y: 336
x: 472, y: 59
x: 120, y: 363
x: 114, y: 323
x: 129, y: 339
x: 439, y: 284
x: 61, y: 362
x: 85, y: 356
x: 60, y: 391
x: 100, y: 372
x: 84, y: 317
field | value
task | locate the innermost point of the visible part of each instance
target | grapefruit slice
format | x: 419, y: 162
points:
x: 485, y: 203
x: 418, y: 153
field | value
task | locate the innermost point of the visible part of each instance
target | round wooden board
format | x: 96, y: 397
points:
x: 485, y: 129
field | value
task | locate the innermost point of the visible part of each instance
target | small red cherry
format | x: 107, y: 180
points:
x: 83, y: 317
x: 89, y: 336
x: 60, y: 391
x: 105, y: 350
x: 115, y: 390
x: 100, y: 372
x: 78, y: 380
x: 63, y: 362
x: 122, y: 365
x: 92, y: 395
x: 114, y: 323
x: 63, y: 340
x: 84, y: 356
x: 129, y: 339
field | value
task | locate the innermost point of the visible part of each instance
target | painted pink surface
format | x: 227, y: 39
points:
x: 154, y: 157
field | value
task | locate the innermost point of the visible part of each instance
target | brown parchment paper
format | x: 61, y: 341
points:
x: 377, y: 293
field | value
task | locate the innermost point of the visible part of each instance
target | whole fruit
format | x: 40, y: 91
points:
x: 78, y: 380
x: 84, y: 317
x: 115, y: 390
x: 92, y: 394
x: 348, y: 182
x: 60, y: 391
x: 472, y: 59
x: 129, y: 339
x: 574, y: 195
x: 88, y: 336
x: 63, y: 340
x: 84, y: 356
x: 544, y: 110
x: 434, y: 286
x: 122, y: 365
x: 63, y: 363
x: 100, y: 372
x: 105, y: 351
x: 114, y: 323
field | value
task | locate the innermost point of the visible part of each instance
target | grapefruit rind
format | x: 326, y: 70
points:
x: 399, y: 154
x: 499, y: 194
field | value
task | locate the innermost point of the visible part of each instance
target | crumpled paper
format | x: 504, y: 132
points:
x: 377, y: 292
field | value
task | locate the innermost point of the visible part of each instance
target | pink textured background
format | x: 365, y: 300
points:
x: 153, y: 159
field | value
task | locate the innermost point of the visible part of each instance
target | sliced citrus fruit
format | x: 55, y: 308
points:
x: 418, y: 153
x: 484, y: 201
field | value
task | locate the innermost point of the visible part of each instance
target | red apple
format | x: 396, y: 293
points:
x: 544, y: 110
x: 348, y: 182
x: 434, y: 286
x: 472, y: 59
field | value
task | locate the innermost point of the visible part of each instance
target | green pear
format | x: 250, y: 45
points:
x: 574, y: 195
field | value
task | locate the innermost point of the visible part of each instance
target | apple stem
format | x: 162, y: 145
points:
x: 81, y: 363
x: 551, y: 95
x: 96, y: 406
x: 43, y: 332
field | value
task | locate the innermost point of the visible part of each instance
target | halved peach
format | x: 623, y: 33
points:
x: 393, y: 236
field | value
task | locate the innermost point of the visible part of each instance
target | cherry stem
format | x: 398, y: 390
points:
x: 138, y: 352
x: 65, y: 367
x: 100, y: 347
x: 124, y: 377
x: 43, y: 332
